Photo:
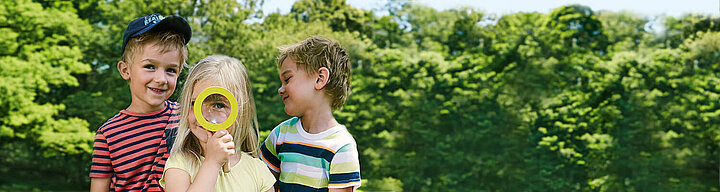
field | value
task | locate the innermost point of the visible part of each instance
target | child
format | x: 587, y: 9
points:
x: 312, y: 151
x: 129, y: 150
x: 197, y: 158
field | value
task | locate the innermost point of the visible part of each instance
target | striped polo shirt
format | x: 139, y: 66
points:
x: 311, y: 162
x: 130, y: 148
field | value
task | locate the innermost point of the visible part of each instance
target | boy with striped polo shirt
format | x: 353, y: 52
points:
x: 312, y: 151
x: 130, y: 149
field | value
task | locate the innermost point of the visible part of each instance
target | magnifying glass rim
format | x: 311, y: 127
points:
x: 197, y: 108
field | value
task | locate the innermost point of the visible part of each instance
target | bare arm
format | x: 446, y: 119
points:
x: 99, y: 184
x: 349, y: 189
x: 179, y: 180
x: 176, y: 180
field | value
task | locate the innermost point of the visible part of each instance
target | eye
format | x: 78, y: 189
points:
x: 148, y: 66
x: 287, y: 79
x: 219, y: 105
x: 171, y: 70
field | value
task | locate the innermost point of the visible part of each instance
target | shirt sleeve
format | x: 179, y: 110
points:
x: 267, y: 179
x: 175, y: 161
x: 268, y: 154
x: 345, y: 168
x: 101, y: 164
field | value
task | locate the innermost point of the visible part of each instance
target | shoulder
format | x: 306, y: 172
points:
x: 341, y: 141
x: 172, y: 108
x: 290, y: 122
x: 173, y: 105
x: 176, y: 160
x: 253, y: 161
x: 342, y: 137
x: 286, y: 126
x: 253, y: 164
x: 112, y: 122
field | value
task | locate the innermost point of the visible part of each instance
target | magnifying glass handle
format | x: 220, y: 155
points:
x: 226, y: 169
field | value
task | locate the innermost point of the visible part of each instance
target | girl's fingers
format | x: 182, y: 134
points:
x: 230, y: 145
x: 220, y: 133
x: 230, y: 151
x: 226, y: 138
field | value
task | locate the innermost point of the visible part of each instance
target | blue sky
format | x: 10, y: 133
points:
x: 645, y: 7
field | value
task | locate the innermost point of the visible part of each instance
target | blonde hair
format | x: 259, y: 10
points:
x: 166, y: 40
x: 315, y: 52
x: 231, y: 74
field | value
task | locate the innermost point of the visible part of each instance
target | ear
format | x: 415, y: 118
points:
x: 322, y: 77
x: 124, y: 70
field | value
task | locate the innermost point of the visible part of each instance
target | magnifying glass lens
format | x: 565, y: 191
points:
x: 216, y: 108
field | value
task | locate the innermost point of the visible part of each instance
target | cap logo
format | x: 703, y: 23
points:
x: 153, y: 19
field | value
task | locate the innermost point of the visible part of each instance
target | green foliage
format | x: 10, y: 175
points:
x: 453, y: 100
x: 42, y: 49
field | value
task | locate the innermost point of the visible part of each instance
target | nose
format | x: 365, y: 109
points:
x: 281, y: 90
x: 160, y: 77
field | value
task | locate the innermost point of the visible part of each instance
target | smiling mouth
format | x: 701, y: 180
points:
x: 157, y: 91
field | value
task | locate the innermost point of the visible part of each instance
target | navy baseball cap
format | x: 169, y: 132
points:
x: 156, y: 22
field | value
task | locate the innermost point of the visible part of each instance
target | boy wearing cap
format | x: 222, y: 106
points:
x: 130, y: 149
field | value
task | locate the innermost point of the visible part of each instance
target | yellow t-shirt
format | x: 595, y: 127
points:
x: 250, y: 174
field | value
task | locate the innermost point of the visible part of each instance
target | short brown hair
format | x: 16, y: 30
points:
x: 315, y: 52
x: 166, y: 40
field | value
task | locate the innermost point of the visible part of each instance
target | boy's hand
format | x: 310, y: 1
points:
x: 219, y: 147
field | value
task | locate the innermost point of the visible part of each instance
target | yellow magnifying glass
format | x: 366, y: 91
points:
x: 215, y: 107
x: 212, y: 104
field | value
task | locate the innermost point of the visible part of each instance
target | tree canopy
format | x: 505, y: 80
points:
x: 442, y: 100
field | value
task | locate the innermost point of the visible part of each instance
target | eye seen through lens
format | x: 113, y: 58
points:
x: 216, y: 108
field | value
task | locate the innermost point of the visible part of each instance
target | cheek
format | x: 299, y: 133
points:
x: 172, y: 80
x: 143, y: 75
x: 192, y: 124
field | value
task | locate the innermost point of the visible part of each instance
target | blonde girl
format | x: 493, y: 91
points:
x: 198, y: 155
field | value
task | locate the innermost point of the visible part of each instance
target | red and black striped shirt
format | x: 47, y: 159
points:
x: 131, y: 148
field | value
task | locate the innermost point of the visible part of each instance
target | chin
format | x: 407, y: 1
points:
x: 290, y: 113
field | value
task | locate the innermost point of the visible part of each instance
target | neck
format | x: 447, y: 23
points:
x: 318, y: 120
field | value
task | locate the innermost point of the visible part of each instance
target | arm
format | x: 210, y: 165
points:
x: 217, y: 150
x: 344, y: 169
x: 204, y: 181
x: 269, y: 156
x: 349, y: 189
x: 101, y: 169
x: 99, y: 184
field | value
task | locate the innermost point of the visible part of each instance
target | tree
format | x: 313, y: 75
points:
x: 576, y: 26
x: 41, y: 50
x: 451, y: 100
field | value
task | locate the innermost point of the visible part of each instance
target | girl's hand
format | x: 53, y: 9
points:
x: 219, y: 147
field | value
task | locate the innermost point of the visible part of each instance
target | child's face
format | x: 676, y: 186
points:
x: 152, y: 77
x: 297, y: 90
x: 222, y: 106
